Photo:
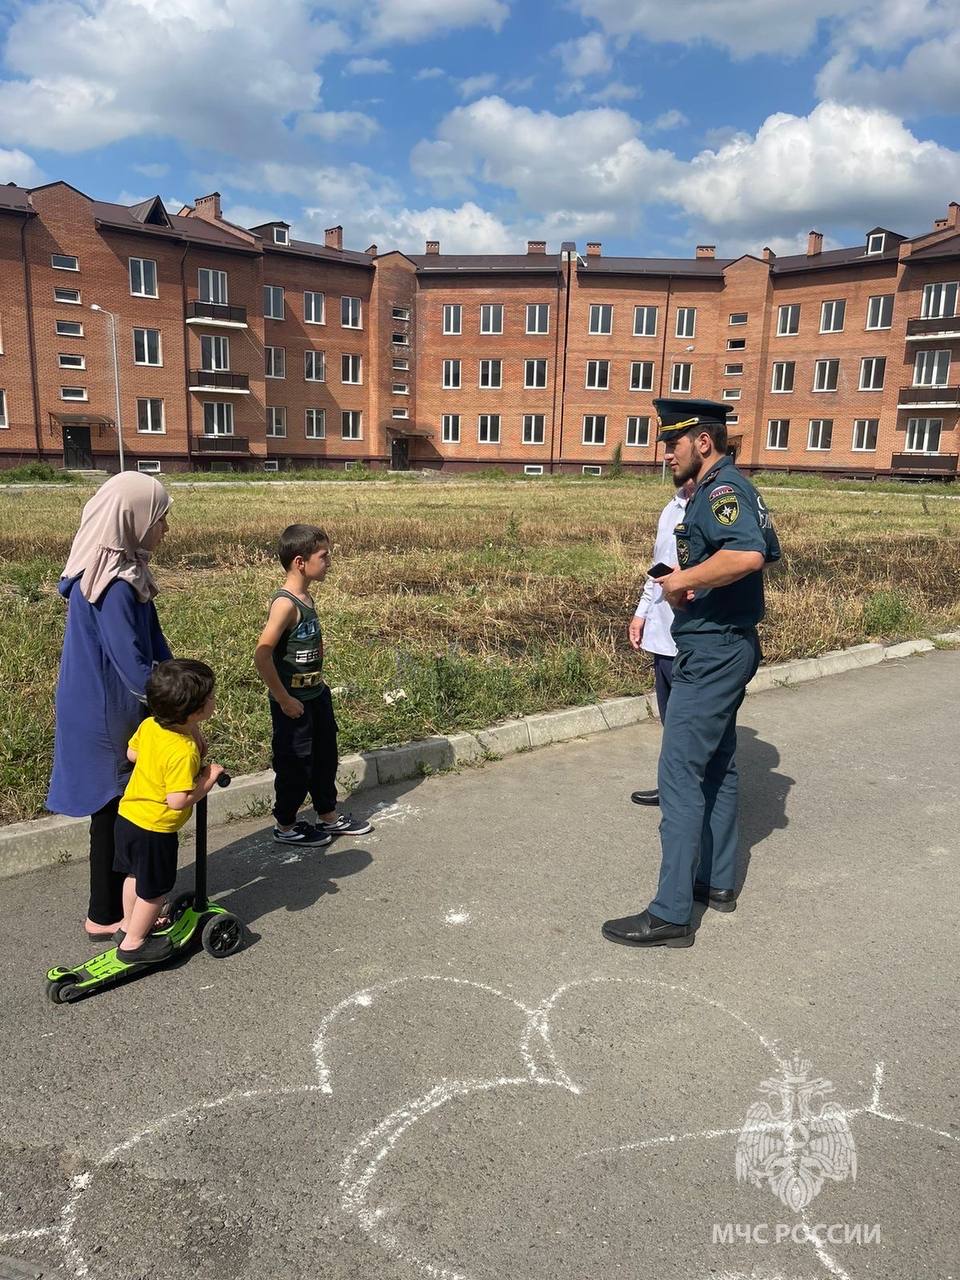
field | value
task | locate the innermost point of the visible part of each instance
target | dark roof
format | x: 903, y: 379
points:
x: 484, y: 263
x: 122, y: 218
x: 655, y: 266
x: 834, y: 258
x: 151, y: 211
x: 14, y: 199
x: 948, y: 248
x: 304, y: 249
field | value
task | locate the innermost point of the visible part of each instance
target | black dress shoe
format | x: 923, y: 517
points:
x: 719, y: 899
x: 645, y: 797
x: 646, y: 930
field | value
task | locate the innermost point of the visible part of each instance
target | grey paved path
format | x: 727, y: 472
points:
x: 431, y: 1064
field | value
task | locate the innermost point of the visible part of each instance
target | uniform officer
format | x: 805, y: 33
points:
x: 723, y: 542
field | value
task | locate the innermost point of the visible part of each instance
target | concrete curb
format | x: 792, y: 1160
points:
x: 47, y: 842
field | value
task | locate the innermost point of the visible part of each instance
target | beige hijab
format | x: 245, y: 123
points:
x: 112, y: 528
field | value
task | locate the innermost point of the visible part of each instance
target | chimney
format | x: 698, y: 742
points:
x: 333, y: 237
x: 593, y: 248
x: 814, y: 244
x: 768, y: 254
x: 940, y: 224
x: 536, y: 246
x: 208, y: 207
x: 371, y: 250
x: 433, y: 246
x: 706, y: 250
x: 953, y: 214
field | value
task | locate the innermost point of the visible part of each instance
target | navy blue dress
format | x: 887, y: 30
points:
x: 109, y: 649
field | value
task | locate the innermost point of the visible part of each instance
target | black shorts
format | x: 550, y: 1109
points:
x: 149, y: 856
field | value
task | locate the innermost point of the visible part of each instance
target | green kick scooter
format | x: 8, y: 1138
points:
x: 221, y: 933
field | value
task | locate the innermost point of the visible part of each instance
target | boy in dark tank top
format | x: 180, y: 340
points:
x: 289, y: 661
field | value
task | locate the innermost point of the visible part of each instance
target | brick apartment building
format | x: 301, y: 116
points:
x: 243, y: 348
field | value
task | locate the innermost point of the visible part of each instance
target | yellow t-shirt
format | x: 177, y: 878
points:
x: 166, y: 761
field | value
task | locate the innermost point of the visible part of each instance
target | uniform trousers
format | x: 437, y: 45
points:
x: 697, y: 777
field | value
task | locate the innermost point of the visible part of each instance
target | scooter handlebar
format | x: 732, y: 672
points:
x: 224, y: 780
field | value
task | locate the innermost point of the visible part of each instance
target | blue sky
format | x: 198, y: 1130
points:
x: 648, y: 125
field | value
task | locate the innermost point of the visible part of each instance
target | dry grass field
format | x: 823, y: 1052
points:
x: 479, y: 599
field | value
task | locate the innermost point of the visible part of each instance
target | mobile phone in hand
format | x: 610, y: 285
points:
x: 660, y: 570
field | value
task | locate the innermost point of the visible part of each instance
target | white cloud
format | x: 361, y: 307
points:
x: 472, y: 85
x: 466, y: 229
x: 338, y: 125
x: 615, y: 91
x: 430, y: 73
x: 586, y: 56
x: 389, y: 21
x: 672, y: 119
x: 152, y: 170
x: 926, y: 81
x: 16, y: 166
x: 90, y: 75
x: 367, y: 67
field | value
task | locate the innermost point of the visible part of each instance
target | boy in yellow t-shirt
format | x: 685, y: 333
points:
x: 167, y: 781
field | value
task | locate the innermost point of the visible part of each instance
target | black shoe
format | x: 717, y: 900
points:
x: 719, y: 899
x: 646, y: 930
x: 152, y: 951
x: 645, y: 797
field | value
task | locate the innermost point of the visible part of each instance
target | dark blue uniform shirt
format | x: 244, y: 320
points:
x: 725, y: 514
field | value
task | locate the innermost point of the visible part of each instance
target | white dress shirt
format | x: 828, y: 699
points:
x: 653, y: 607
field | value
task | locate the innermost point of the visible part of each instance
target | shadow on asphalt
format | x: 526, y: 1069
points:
x: 763, y: 794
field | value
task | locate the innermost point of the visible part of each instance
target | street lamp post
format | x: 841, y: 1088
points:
x: 116, y: 372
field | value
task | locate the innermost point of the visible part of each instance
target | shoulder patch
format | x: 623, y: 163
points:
x: 725, y: 506
x: 720, y: 491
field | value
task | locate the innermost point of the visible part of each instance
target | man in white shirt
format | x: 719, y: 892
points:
x: 650, y: 625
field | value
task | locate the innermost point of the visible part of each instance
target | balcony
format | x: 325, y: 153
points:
x: 218, y: 314
x: 236, y: 384
x: 222, y: 444
x: 921, y: 328
x: 929, y: 398
x: 931, y: 464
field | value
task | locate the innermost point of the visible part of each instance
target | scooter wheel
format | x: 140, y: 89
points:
x: 222, y: 935
x: 63, y: 991
x: 179, y: 905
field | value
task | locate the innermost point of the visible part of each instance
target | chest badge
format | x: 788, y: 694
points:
x: 683, y: 552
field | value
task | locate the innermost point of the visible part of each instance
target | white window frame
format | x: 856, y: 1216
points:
x: 400, y: 339
x: 884, y: 302
x: 399, y: 413
x: 353, y: 313
x: 489, y: 313
x: 925, y: 367
x: 146, y: 362
x: 738, y: 317
x: 314, y: 365
x: 450, y: 428
x: 399, y: 314
x: 780, y: 427
x: 71, y: 360
x: 785, y: 314
x: 636, y: 423
x: 918, y: 434
x: 3, y: 408
x: 536, y: 308
x: 600, y: 312
x: 640, y: 317
x: 528, y: 429
x: 639, y: 382
x: 271, y: 361
x: 64, y: 259
x: 591, y: 469
x: 688, y: 327
x: 863, y: 427
x: 209, y: 282
x: 736, y: 344
x: 534, y: 364
x: 400, y: 389
x: 733, y: 370
x: 451, y: 375
x: 597, y: 428
x: 81, y: 396
x: 485, y: 428
x: 821, y: 374
x: 355, y: 417
x: 67, y: 297
x: 400, y: 366
x: 61, y: 333
x: 676, y: 376
x: 486, y: 366
x: 276, y: 422
x: 594, y: 368
x: 869, y: 364
x: 270, y: 464
x: 218, y: 346
x: 452, y: 318
x: 876, y: 243
x: 533, y: 468
x: 935, y: 299
x: 315, y: 424
x: 148, y: 466
x: 351, y: 363
x: 281, y: 235
x: 270, y: 295
x: 313, y: 295
x: 221, y: 419
x: 143, y: 291
x: 821, y: 426
x: 731, y: 393
x: 829, y: 315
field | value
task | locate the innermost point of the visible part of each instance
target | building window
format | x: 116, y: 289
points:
x: 67, y: 360
x: 400, y: 366
x: 276, y: 420
x: 217, y: 419
x: 212, y: 285
x: 351, y: 314
x: 270, y: 464
x: 491, y: 374
x: 826, y: 374
x: 931, y: 369
x: 820, y: 434
x: 535, y: 373
x: 732, y: 419
x: 880, y: 311
x: 738, y: 317
x: 315, y: 424
x: 400, y: 389
x: 275, y: 360
x: 533, y: 469
x: 533, y: 428
x: 400, y: 313
x: 400, y: 413
x: 732, y: 370
x: 686, y: 322
x: 400, y: 339
x: 143, y: 277
x: 450, y: 428
x: 351, y: 369
x: 281, y: 235
x: 638, y: 432
x: 865, y: 435
x: 491, y: 317
x: 923, y: 435
x: 736, y: 344
x: 788, y: 320
x: 594, y: 428
x: 3, y: 408
x: 451, y: 374
x: 783, y: 371
x: 69, y: 329
x: 538, y: 317
x: 146, y: 346
x: 314, y: 307
x: 149, y: 467
x: 591, y: 469
x: 488, y: 428
x: 778, y: 433
x: 273, y: 302
x: 876, y: 242
x: 351, y: 424
x: 680, y: 378
x: 452, y: 320
x: 598, y: 375
x: 644, y: 322
x: 214, y: 352
x: 872, y: 370
x: 67, y: 296
x: 831, y: 316
x: 732, y: 393
x: 73, y: 393
x: 601, y: 318
x: 64, y: 262
x: 938, y: 300
x: 314, y: 366
x: 641, y: 375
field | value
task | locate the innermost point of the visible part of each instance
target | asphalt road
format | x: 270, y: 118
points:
x: 429, y: 1063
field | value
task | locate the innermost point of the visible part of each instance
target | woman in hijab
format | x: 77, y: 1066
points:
x: 111, y: 644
